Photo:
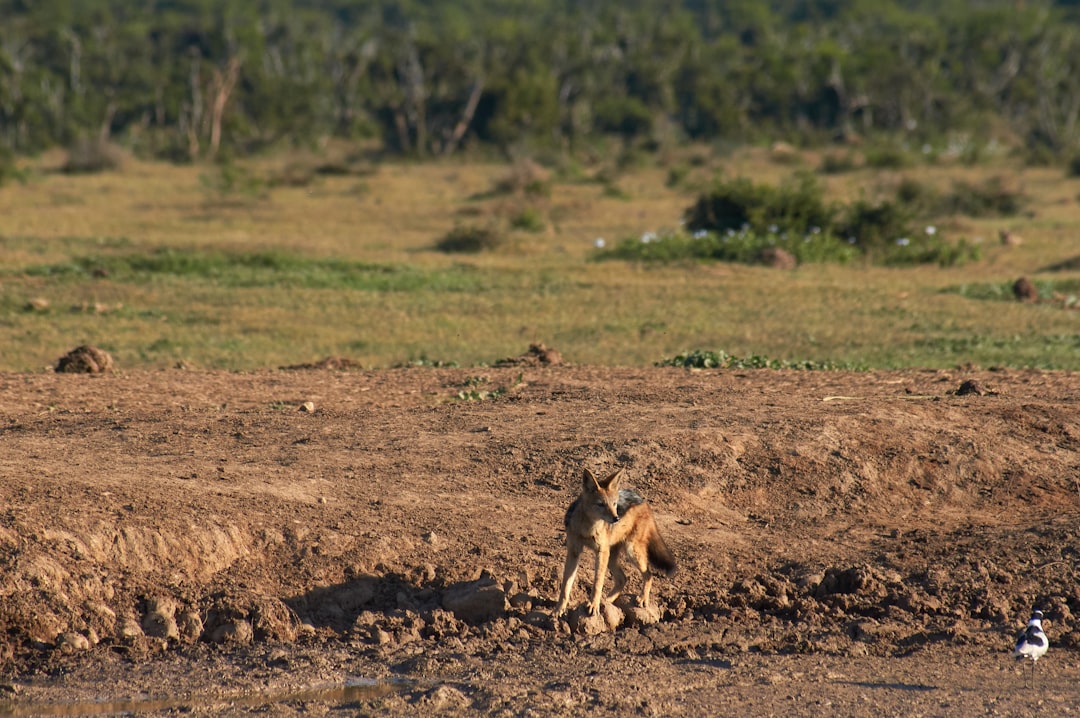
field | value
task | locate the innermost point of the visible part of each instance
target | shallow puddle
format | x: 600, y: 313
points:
x: 339, y: 693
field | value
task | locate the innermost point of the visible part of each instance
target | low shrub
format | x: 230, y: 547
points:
x: 834, y: 163
x: 740, y: 221
x: 470, y: 239
x: 701, y: 359
x: 996, y: 197
x: 90, y: 156
x: 1072, y: 169
x: 528, y: 219
x: 798, y: 206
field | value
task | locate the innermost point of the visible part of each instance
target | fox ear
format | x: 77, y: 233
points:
x: 612, y: 481
x: 588, y: 481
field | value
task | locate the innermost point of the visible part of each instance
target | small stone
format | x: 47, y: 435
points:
x: 128, y: 629
x: 1025, y: 290
x: 71, y: 642
x: 308, y: 407
x: 190, y: 626
x: 234, y: 632
x: 85, y: 360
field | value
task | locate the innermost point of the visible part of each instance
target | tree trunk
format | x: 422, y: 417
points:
x: 222, y: 86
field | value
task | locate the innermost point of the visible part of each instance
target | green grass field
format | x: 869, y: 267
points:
x: 272, y: 265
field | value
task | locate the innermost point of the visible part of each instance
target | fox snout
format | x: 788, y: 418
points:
x: 607, y: 513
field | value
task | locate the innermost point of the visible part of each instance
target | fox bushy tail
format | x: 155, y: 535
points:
x: 660, y: 555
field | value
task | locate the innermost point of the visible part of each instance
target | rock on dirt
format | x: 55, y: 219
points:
x: 85, y: 359
x: 537, y: 355
x: 1025, y: 290
x: 476, y: 601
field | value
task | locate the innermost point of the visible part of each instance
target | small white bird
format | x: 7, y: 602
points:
x: 1032, y: 642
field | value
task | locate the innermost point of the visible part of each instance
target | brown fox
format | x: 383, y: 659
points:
x: 606, y: 518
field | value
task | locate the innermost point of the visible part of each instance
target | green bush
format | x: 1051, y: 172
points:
x: 888, y: 157
x: 701, y: 359
x: 744, y: 246
x: 469, y: 239
x: 9, y: 169
x: 528, y: 219
x: 798, y: 207
x: 739, y: 221
x: 996, y: 197
x: 1073, y: 168
x: 834, y: 163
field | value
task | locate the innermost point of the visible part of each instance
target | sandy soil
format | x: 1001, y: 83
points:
x: 848, y: 543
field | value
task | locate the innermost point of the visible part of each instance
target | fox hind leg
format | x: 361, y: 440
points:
x: 620, y: 579
x: 573, y: 558
x: 641, y: 560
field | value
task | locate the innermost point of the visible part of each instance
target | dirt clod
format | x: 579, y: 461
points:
x: 1025, y: 290
x: 537, y: 355
x: 85, y: 359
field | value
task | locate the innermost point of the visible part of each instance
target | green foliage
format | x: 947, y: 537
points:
x: 995, y: 197
x: 887, y: 156
x: 837, y: 163
x: 475, y: 390
x: 701, y: 359
x: 425, y: 362
x: 796, y: 207
x: 1065, y: 290
x: 528, y: 219
x: 1073, y: 169
x: 743, y: 246
x: 258, y: 269
x: 470, y: 239
x: 230, y: 182
x: 739, y: 220
x: 9, y: 170
x: 187, y: 80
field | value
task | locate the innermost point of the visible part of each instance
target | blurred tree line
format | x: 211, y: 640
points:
x: 188, y: 79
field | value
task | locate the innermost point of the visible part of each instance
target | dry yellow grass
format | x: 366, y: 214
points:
x: 540, y: 286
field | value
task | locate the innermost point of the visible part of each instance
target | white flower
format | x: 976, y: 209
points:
x: 701, y: 234
x: 599, y: 242
x: 903, y: 242
x: 931, y: 230
x: 648, y: 237
x: 773, y: 228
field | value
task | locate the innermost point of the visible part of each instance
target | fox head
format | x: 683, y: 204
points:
x: 601, y: 496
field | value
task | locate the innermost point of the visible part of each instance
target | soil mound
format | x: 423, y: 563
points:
x: 85, y: 360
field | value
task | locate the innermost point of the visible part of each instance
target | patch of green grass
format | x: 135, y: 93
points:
x: 470, y: 239
x: 528, y: 219
x: 270, y: 268
x: 1003, y: 291
x: 743, y: 246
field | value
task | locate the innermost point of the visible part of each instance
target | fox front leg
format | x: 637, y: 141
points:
x: 603, y: 553
x: 573, y: 558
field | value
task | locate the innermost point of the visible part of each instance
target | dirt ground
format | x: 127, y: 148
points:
x: 210, y: 543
